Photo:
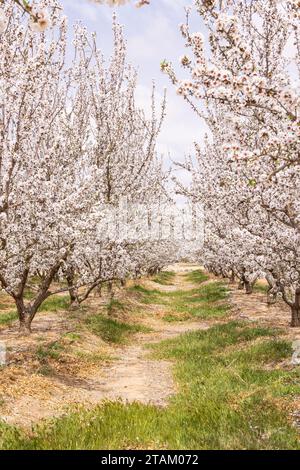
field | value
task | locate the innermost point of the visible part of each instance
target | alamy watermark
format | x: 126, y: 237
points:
x: 143, y: 222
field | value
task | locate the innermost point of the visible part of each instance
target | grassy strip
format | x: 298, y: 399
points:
x: 228, y: 399
x: 114, y: 306
x: 165, y: 278
x: 148, y: 296
x: 113, y: 331
x: 7, y: 318
x: 204, y: 302
x: 197, y: 276
x: 52, y: 350
x: 55, y: 302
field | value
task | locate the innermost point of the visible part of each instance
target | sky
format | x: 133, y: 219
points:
x: 152, y: 34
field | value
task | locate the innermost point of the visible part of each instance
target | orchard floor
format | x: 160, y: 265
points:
x: 183, y: 360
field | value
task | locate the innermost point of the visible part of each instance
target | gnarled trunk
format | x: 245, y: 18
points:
x: 25, y: 317
x: 294, y: 305
x: 248, y: 286
x: 273, y: 289
x: 73, y: 292
x: 25, y: 326
x: 271, y: 297
x: 295, y: 320
x: 99, y: 289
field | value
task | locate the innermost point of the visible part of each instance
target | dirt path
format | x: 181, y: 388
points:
x: 136, y: 377
x: 132, y: 376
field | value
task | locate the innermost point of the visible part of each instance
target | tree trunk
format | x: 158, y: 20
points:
x: 110, y: 290
x: 248, y: 287
x: 272, y: 294
x: 72, y: 290
x: 295, y: 320
x: 273, y: 289
x: 241, y: 285
x: 26, y: 313
x: 295, y: 307
x: 99, y: 290
x: 25, y: 318
x: 25, y: 327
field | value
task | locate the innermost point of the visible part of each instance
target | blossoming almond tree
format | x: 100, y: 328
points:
x: 123, y: 151
x: 247, y: 90
x: 43, y: 127
x: 73, y: 142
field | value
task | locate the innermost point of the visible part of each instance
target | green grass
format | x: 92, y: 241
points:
x: 260, y: 287
x: 228, y: 399
x: 91, y: 358
x: 113, y: 331
x: 115, y: 306
x: 171, y: 317
x: 55, y: 303
x: 147, y: 296
x: 197, y: 276
x: 4, y: 306
x: 29, y: 294
x: 46, y: 370
x: 165, y: 278
x: 72, y: 336
x: 8, y: 317
x: 203, y: 302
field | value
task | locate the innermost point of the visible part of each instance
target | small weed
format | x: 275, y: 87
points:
x: 72, y: 336
x: 52, y: 351
x: 46, y: 370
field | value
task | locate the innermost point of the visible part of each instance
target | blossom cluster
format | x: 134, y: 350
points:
x: 40, y: 17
